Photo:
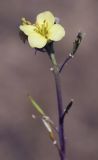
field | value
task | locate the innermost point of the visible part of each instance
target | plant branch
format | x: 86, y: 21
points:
x: 76, y: 45
x: 67, y: 109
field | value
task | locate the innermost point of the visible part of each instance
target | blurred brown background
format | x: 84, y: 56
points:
x: 22, y: 72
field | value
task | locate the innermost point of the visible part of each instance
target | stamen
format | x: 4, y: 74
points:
x: 43, y: 29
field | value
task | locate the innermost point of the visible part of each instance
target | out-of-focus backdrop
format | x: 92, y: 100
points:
x: 22, y: 72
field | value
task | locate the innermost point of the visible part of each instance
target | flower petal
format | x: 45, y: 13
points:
x: 56, y: 32
x: 27, y: 29
x: 36, y: 40
x: 45, y: 16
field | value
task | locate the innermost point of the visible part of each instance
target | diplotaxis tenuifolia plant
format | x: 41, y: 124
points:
x: 42, y: 35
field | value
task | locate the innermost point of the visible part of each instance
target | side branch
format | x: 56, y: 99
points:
x: 76, y: 45
x: 67, y: 109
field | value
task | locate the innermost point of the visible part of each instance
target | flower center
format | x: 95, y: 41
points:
x: 42, y: 29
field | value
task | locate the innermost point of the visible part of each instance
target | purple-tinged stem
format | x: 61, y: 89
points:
x: 60, y: 108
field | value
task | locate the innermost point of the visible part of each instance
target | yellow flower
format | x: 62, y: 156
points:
x: 43, y: 31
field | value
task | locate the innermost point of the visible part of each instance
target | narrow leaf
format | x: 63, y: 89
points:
x: 47, y: 125
x: 36, y: 106
x: 49, y: 129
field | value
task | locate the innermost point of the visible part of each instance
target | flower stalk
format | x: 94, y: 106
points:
x: 60, y: 106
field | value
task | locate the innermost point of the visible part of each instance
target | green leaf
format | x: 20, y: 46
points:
x: 36, y: 106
